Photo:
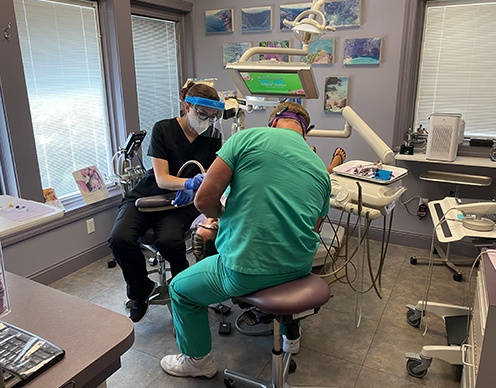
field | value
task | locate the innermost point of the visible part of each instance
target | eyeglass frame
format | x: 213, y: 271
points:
x: 202, y: 115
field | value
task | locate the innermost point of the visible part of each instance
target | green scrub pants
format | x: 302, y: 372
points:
x: 208, y: 282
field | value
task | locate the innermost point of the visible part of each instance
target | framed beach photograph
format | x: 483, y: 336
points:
x: 290, y: 12
x: 256, y: 19
x: 321, y: 52
x: 335, y: 93
x: 276, y: 43
x: 343, y: 13
x: 219, y: 21
x: 232, y: 52
x: 362, y: 51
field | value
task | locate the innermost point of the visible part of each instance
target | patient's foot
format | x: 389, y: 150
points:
x: 338, y: 157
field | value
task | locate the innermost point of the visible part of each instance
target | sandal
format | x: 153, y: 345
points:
x: 342, y: 154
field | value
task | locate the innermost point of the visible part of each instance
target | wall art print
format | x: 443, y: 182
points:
x: 232, y: 52
x: 343, y: 13
x: 321, y: 52
x: 290, y: 12
x: 362, y: 51
x: 277, y: 43
x: 335, y: 93
x: 256, y: 19
x: 219, y: 21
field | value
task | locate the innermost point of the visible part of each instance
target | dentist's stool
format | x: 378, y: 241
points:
x: 287, y: 302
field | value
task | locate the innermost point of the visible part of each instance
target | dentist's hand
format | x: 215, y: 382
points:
x: 183, y: 197
x: 194, y: 183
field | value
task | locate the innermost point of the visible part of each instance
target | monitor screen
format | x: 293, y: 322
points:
x: 273, y: 79
x: 261, y: 82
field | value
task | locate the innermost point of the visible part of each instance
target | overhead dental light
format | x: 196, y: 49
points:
x: 306, y: 26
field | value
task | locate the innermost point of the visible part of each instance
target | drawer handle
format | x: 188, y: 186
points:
x: 465, y: 352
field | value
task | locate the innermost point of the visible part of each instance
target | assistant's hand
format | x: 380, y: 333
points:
x: 194, y: 183
x: 183, y: 197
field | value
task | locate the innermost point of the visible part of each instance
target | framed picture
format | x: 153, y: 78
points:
x: 277, y: 43
x: 362, y: 51
x: 255, y: 19
x: 290, y: 12
x: 219, y: 21
x: 231, y: 52
x: 343, y: 13
x: 90, y: 184
x: 335, y: 93
x: 321, y: 52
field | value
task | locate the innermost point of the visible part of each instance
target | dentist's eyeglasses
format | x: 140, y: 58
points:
x: 202, y: 115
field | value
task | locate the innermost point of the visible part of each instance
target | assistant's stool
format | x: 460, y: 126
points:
x: 160, y: 295
x: 288, y: 302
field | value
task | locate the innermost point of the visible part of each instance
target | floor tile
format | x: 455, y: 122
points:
x: 341, y: 346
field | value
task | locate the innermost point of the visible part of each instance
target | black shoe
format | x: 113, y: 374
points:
x: 139, y: 307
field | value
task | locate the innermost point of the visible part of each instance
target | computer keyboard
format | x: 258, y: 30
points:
x: 24, y: 355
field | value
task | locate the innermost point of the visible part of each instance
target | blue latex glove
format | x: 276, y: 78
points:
x: 194, y: 183
x: 183, y: 197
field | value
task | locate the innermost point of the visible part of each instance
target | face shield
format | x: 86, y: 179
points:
x: 206, y: 116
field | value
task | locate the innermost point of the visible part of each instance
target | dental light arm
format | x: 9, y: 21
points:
x: 354, y: 121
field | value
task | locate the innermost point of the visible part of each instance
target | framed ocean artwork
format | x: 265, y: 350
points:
x: 335, y: 93
x: 343, y: 13
x: 290, y: 12
x: 362, y: 51
x: 321, y: 52
x: 232, y: 52
x: 256, y: 19
x: 219, y: 21
x: 279, y: 44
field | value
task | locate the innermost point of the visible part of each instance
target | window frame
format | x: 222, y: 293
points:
x: 18, y: 150
x: 408, y: 77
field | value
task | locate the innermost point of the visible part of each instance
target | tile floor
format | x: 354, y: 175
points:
x: 333, y: 351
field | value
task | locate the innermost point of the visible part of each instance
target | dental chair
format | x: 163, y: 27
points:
x: 288, y: 303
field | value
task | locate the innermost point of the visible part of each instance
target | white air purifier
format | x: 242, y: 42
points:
x: 445, y: 133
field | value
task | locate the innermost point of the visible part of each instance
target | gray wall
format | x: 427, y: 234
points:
x: 373, y: 92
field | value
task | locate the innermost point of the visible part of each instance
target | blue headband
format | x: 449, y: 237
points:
x: 205, y: 102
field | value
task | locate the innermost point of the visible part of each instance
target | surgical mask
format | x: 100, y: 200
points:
x: 198, y: 125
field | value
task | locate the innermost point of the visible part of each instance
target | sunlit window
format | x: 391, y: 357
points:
x: 61, y: 54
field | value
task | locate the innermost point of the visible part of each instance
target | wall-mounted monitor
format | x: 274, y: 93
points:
x: 274, y: 79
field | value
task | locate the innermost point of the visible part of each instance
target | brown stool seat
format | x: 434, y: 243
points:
x: 289, y: 303
x: 292, y: 297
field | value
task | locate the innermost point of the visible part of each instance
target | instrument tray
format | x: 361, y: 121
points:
x: 362, y: 170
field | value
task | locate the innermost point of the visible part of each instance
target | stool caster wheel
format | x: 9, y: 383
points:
x: 412, y: 365
x: 111, y: 263
x: 457, y: 277
x: 412, y: 317
x: 229, y: 383
x: 413, y: 260
x: 128, y: 303
x: 153, y: 261
x: 292, y: 366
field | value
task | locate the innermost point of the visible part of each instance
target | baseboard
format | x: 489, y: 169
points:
x: 72, y: 264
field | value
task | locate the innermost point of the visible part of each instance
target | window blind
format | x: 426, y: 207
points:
x: 61, y: 55
x: 157, y: 78
x: 458, y: 65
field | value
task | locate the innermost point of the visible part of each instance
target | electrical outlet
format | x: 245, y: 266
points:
x: 423, y: 201
x: 90, y: 225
